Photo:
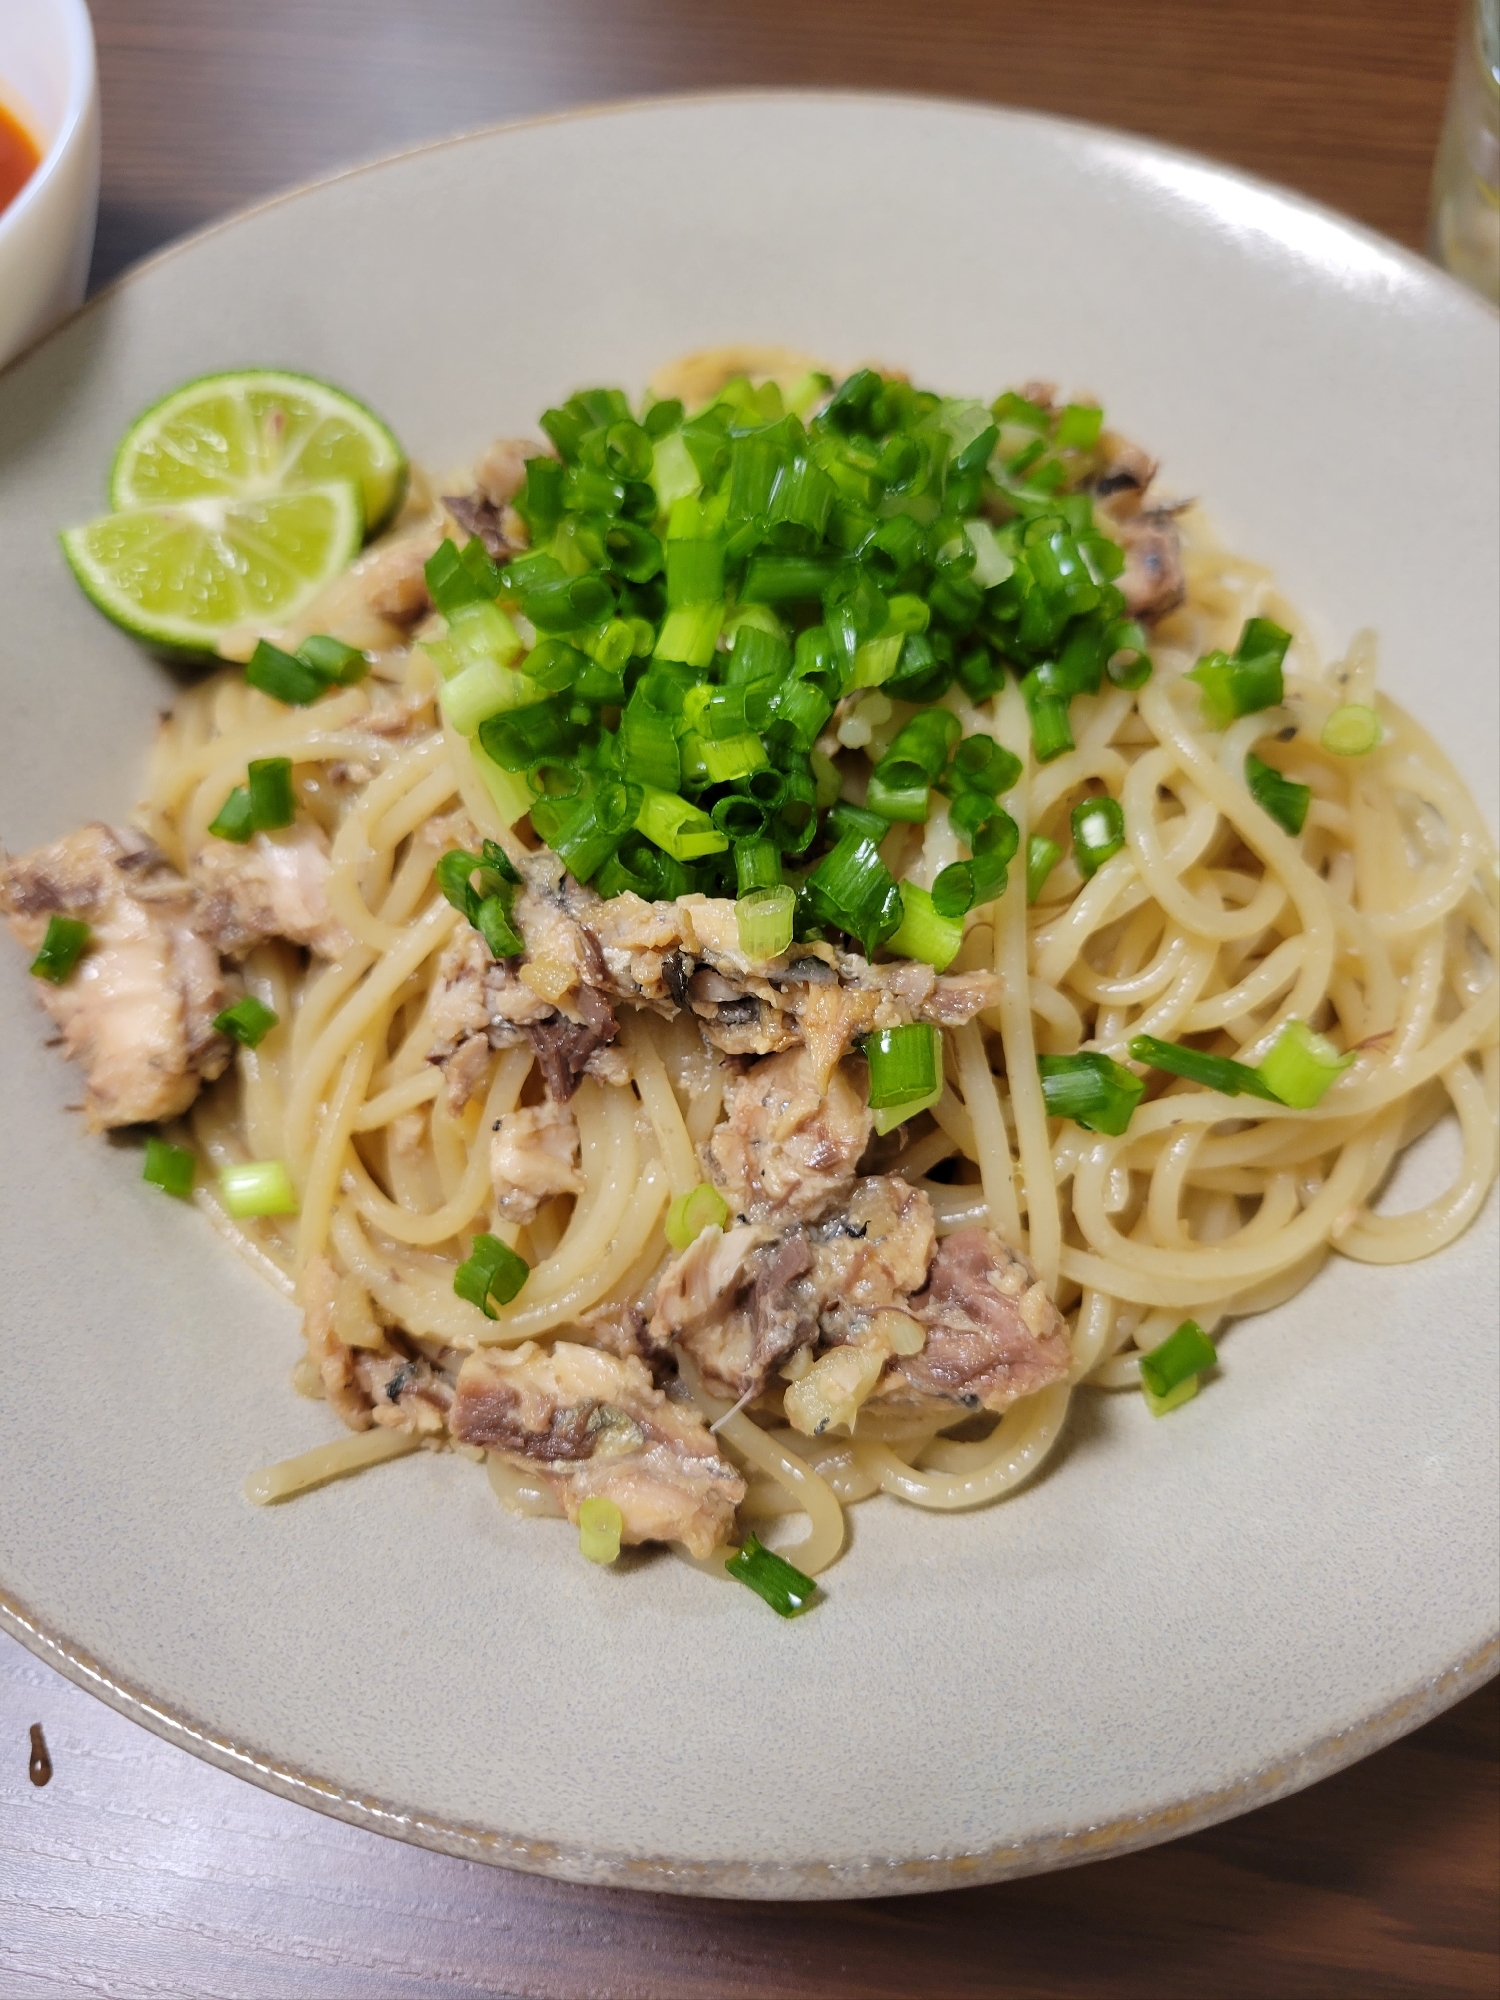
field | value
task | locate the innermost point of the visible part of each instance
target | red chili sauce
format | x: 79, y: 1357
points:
x: 18, y: 158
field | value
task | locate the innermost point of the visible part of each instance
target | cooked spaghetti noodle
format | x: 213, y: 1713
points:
x: 1377, y: 925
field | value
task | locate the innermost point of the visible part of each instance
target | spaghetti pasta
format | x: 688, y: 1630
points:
x: 1376, y: 926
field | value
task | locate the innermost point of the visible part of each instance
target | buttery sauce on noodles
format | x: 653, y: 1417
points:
x: 1380, y: 920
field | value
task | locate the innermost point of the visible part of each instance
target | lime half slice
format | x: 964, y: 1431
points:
x: 253, y: 432
x: 182, y: 577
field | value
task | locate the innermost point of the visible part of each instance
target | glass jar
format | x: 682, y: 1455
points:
x: 1464, y: 221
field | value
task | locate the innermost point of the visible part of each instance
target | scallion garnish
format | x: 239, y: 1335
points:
x: 702, y: 1207
x: 1098, y: 832
x: 1169, y: 1373
x: 906, y: 1072
x: 600, y: 1525
x: 64, y: 944
x: 492, y: 1270
x: 924, y: 932
x: 1042, y: 856
x: 707, y: 591
x: 784, y: 1588
x: 1247, y: 680
x: 266, y: 801
x: 248, y: 1021
x: 171, y: 1168
x: 1284, y: 799
x: 319, y: 663
x: 1352, y: 731
x: 1301, y: 1064
x: 258, y: 1187
x: 482, y: 887
x: 764, y: 919
x: 1092, y: 1089
x: 1220, y: 1073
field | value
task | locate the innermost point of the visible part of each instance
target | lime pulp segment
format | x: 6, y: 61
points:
x: 254, y: 432
x: 182, y: 576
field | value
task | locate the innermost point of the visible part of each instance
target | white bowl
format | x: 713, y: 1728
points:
x: 50, y: 82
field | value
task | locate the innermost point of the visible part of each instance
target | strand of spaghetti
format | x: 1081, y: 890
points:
x: 609, y: 1153
x: 424, y: 1305
x: 320, y: 1178
x: 810, y: 1491
x: 1271, y: 976
x: 1400, y: 1239
x: 1043, y: 1220
x: 522, y: 1492
x: 444, y: 1223
x: 648, y: 1197
x: 324, y: 733
x: 350, y: 1453
x: 951, y: 1116
x: 1132, y: 988
x: 1276, y: 850
x: 356, y: 839
x: 1020, y: 1442
x: 996, y: 1170
x: 384, y: 981
x: 660, y: 1100
x: 1131, y: 1261
x: 401, y: 1097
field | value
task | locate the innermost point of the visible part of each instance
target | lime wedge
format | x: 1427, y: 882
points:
x: 181, y: 577
x: 252, y: 432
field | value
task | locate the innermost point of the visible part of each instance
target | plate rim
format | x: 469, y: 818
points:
x: 799, y: 1880
x: 767, y: 1881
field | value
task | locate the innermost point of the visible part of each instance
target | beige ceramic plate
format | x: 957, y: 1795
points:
x: 1181, y: 1618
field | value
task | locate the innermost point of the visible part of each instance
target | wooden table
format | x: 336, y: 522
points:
x: 139, y: 1871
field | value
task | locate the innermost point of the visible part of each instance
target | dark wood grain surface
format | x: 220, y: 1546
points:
x: 137, y: 1871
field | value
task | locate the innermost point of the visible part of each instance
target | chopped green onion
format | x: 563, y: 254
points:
x: 600, y: 1525
x: 690, y: 633
x: 1092, y: 1089
x: 648, y: 747
x: 1098, y: 832
x: 171, y: 1168
x: 272, y: 800
x: 702, y: 1207
x: 332, y: 660
x: 283, y: 676
x: 734, y: 758
x: 456, y: 577
x: 1248, y: 680
x: 235, y: 819
x: 1300, y: 1065
x: 784, y: 1588
x: 1051, y: 730
x: 964, y: 885
x: 904, y: 1064
x: 258, y: 1187
x: 1181, y: 1358
x: 248, y: 1021
x: 919, y: 751
x: 1078, y: 427
x: 764, y: 919
x: 484, y: 689
x: 875, y: 661
x: 787, y: 579
x: 923, y: 932
x: 1352, y: 731
x: 853, y: 888
x: 492, y: 1270
x: 910, y: 803
x: 1042, y: 856
x: 679, y: 829
x: 983, y: 765
x: 61, y: 948
x: 1284, y: 799
x: 1220, y: 1073
x: 695, y: 571
x: 757, y: 862
x: 593, y: 826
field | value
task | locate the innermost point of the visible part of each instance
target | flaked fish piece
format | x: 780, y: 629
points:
x: 592, y: 1425
x: 993, y: 1333
x: 740, y: 1302
x: 137, y: 1012
x: 370, y: 1374
x: 533, y: 1158
x: 1153, y: 581
x: 788, y: 1149
x: 275, y: 885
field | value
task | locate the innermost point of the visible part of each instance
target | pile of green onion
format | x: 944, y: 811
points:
x: 705, y: 589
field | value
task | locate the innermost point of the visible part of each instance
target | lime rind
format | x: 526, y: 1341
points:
x: 243, y: 433
x: 181, y: 577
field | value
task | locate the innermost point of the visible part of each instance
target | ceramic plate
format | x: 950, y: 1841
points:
x: 1180, y: 1619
